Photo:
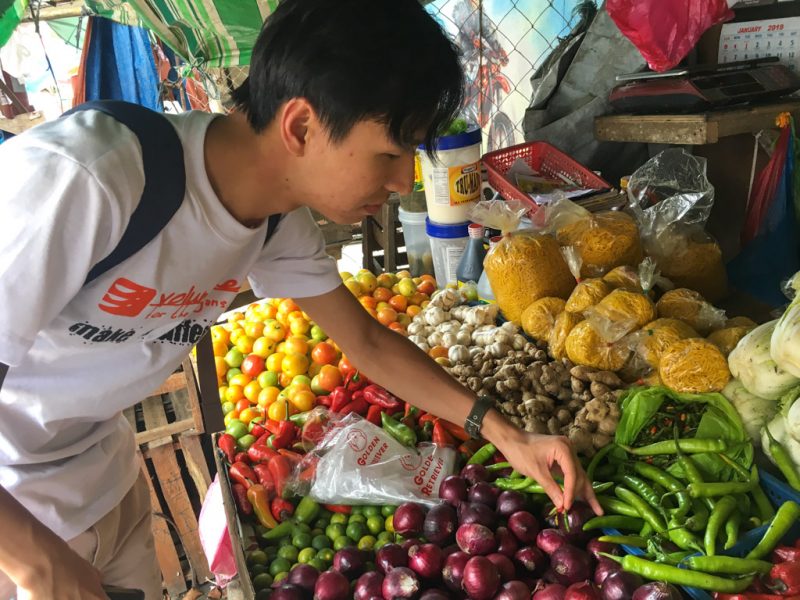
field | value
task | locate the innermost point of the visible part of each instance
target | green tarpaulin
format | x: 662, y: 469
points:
x: 211, y: 33
x: 11, y: 12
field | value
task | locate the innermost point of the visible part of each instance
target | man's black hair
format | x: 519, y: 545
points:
x: 354, y: 60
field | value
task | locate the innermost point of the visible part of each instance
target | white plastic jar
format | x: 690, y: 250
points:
x: 453, y: 178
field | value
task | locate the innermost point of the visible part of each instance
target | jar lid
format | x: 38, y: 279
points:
x: 452, y: 142
x: 446, y: 231
x: 475, y: 230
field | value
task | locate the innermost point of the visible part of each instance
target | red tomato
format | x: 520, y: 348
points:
x: 345, y: 366
x: 252, y: 365
x: 323, y: 354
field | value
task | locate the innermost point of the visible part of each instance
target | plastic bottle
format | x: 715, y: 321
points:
x: 470, y: 267
x: 484, y: 289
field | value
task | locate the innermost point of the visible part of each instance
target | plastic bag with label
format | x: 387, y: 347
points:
x: 356, y: 462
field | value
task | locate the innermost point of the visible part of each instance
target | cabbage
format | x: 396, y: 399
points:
x: 785, y: 350
x: 755, y: 411
x: 752, y: 363
x: 778, y: 429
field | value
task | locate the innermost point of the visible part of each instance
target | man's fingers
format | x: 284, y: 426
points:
x: 551, y: 488
x: 590, y: 497
x: 568, y: 464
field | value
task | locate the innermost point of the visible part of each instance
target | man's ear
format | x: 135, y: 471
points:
x: 296, y: 122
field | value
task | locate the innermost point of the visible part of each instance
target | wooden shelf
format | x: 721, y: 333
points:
x: 693, y: 129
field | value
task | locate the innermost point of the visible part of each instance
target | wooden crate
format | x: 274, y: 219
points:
x: 382, y: 238
x: 168, y: 426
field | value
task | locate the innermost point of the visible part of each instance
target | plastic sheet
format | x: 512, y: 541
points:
x: 664, y: 31
x: 380, y: 470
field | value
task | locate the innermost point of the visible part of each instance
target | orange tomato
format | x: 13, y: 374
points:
x: 427, y: 277
x: 274, y: 361
x: 387, y: 316
x: 296, y: 345
x: 382, y: 294
x: 399, y: 303
x: 285, y: 380
x: 323, y: 354
x: 248, y: 414
x: 245, y: 344
x: 314, y: 369
x: 303, y: 400
x: 329, y: 377
x: 412, y: 311
x: 294, y: 364
x: 237, y: 316
x: 299, y: 326
x: 221, y: 366
x: 373, y: 313
x: 438, y: 352
x: 368, y: 301
x: 345, y: 366
x: 254, y: 329
x: 417, y: 298
x: 251, y: 391
x: 279, y: 411
x: 403, y: 319
x: 269, y: 311
x: 286, y: 306
x: 397, y: 327
x: 274, y: 331
x: 220, y: 348
x: 263, y: 347
x: 426, y: 287
x: 220, y: 334
x: 223, y: 389
x: 235, y: 334
x: 240, y: 379
x: 242, y: 405
x: 267, y: 396
x: 234, y: 393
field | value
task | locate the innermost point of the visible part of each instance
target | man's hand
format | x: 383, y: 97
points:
x: 61, y: 573
x: 539, y: 456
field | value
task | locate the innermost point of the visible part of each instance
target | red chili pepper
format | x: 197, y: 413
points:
x: 338, y: 508
x: 265, y: 478
x: 227, y: 443
x: 272, y: 425
x: 786, y: 578
x: 257, y: 431
x: 281, y: 509
x: 324, y: 401
x: 308, y: 473
x: 240, y: 496
x: 785, y: 554
x: 242, y: 473
x: 285, y: 435
x: 355, y: 381
x: 357, y: 405
x: 339, y: 397
x: 242, y: 457
x: 456, y: 431
x: 260, y: 453
x: 294, y: 458
x: 375, y: 394
x: 427, y: 417
x: 374, y: 415
x: 280, y: 470
x: 440, y: 435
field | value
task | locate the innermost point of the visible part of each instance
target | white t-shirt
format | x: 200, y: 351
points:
x: 78, y: 354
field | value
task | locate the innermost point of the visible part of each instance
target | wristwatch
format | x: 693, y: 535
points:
x: 475, y: 419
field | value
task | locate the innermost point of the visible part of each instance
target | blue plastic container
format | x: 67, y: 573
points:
x: 778, y: 492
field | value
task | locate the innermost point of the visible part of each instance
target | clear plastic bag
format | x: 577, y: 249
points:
x: 650, y: 342
x: 694, y: 366
x: 356, y: 462
x: 585, y: 346
x: 538, y: 319
x: 691, y: 308
x: 620, y: 313
x: 563, y: 325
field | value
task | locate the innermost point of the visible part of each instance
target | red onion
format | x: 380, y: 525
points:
x: 368, y: 586
x: 408, y: 519
x: 475, y: 539
x: 453, y: 490
x: 474, y: 512
x: 550, y: 591
x: 582, y: 590
x: 288, y: 591
x: 389, y: 557
x: 524, y: 526
x: 453, y: 570
x: 481, y: 579
x: 426, y: 560
x: 572, y: 521
x: 531, y: 559
x: 604, y: 568
x: 400, y: 583
x: 509, y: 502
x: 503, y: 565
x: 514, y: 590
x: 349, y: 562
x: 506, y: 542
x: 332, y: 585
x: 595, y: 547
x: 657, y: 590
x: 440, y: 524
x: 305, y: 576
x: 452, y: 548
x: 407, y: 544
x: 620, y: 586
x: 475, y: 474
x: 484, y: 493
x: 550, y: 540
x: 434, y: 595
x: 570, y: 565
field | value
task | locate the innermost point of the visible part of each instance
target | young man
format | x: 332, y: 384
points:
x: 339, y: 95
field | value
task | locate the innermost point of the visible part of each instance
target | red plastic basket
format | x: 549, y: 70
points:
x: 541, y: 157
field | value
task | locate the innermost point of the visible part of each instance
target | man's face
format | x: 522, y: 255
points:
x: 350, y: 179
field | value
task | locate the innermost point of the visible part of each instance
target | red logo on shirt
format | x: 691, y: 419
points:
x: 126, y: 298
x: 228, y: 286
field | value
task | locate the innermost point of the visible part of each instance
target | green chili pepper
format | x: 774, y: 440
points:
x: 498, y: 466
x: 399, y: 431
x: 645, y: 511
x: 601, y: 454
x: 514, y: 484
x: 306, y: 511
x: 674, y: 558
x: 614, y: 522
x: 670, y: 574
x: 699, y: 518
x: 515, y: 475
x: 281, y: 531
x: 624, y: 540
x: 597, y: 486
x: 787, y: 515
x: 727, y: 565
x: 689, y: 445
x: 743, y: 472
x: 483, y: 454
x: 732, y: 530
x: 764, y: 508
x: 783, y: 461
x: 647, y: 493
x: 617, y: 506
x: 700, y: 490
x: 646, y: 530
x: 657, y: 475
x: 682, y: 537
x: 716, y: 521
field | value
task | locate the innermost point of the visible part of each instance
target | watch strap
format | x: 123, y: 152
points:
x: 475, y: 418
